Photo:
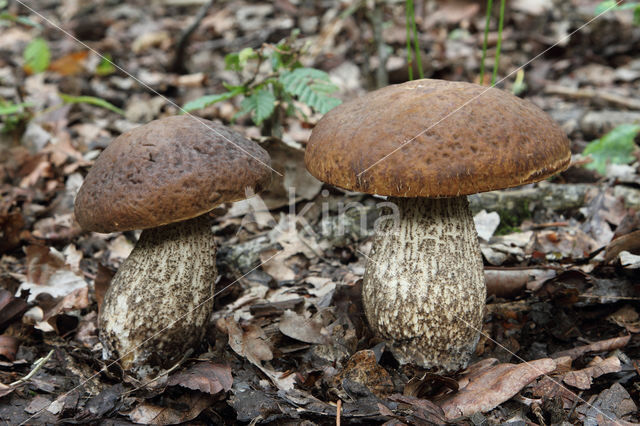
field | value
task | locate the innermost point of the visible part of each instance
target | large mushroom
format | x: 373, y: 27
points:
x: 164, y: 177
x: 428, y: 144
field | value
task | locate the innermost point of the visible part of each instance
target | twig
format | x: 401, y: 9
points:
x: 338, y: 410
x: 178, y: 60
x: 37, y: 366
x: 590, y: 94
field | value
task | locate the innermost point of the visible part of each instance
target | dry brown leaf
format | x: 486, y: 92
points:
x: 9, y: 347
x: 601, y: 346
x: 364, y: 369
x: 11, y: 308
x: 252, y: 344
x: 70, y: 64
x: 582, y: 379
x: 10, y: 226
x: 508, y: 282
x: 5, y: 390
x: 309, y: 330
x: 626, y: 317
x: 77, y: 299
x: 629, y: 242
x: 204, y: 376
x: 194, y: 403
x: 494, y: 386
x: 42, y: 263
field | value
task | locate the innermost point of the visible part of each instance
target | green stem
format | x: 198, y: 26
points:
x: 499, y: 45
x: 486, y: 39
x: 409, y: 13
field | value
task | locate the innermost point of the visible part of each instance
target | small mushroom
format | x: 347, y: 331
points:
x: 164, y: 177
x: 428, y: 144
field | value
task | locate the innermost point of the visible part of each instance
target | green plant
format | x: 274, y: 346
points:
x: 616, y: 147
x: 486, y: 40
x: 269, y: 98
x: 13, y: 114
x: 36, y: 56
x: 608, y: 5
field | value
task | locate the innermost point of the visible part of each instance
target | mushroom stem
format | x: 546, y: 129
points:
x: 423, y: 287
x: 159, y: 301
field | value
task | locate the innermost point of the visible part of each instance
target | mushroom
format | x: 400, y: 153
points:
x: 163, y: 177
x: 428, y: 144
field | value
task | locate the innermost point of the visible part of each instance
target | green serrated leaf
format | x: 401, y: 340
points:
x: 205, y: 101
x: 90, y: 100
x: 312, y: 87
x: 37, y: 56
x: 14, y: 108
x: 260, y: 104
x: 616, y: 147
x: 636, y: 15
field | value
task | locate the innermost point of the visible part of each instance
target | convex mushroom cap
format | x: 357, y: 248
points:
x: 435, y: 138
x: 163, y: 177
x: 169, y: 170
x: 427, y: 144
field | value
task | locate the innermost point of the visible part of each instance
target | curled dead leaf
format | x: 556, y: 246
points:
x: 204, y: 376
x: 493, y: 386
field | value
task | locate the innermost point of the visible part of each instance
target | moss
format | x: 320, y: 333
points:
x: 512, y: 217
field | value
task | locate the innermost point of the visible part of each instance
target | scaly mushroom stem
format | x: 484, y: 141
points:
x: 163, y: 292
x: 423, y: 288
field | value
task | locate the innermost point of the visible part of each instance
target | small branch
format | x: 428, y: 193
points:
x: 593, y: 95
x: 36, y: 367
x: 177, y: 65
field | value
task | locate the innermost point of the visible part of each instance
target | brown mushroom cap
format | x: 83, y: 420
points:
x: 495, y: 141
x: 166, y: 171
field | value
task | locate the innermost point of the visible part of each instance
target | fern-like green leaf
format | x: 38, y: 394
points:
x: 312, y: 87
x: 260, y: 105
x: 205, y: 101
x: 616, y: 147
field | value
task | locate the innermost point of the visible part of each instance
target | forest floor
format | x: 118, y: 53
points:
x: 288, y: 342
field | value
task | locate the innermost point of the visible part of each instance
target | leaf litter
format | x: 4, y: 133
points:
x: 562, y: 275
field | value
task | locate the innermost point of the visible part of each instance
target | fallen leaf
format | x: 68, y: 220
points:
x: 422, y: 408
x: 11, y: 308
x: 70, y: 64
x: 610, y: 406
x: 309, y: 330
x: 509, y: 282
x: 629, y: 242
x: 193, y: 403
x: 582, y: 379
x: 362, y: 368
x: 494, y: 386
x: 205, y: 376
x: 42, y: 263
x: 629, y: 261
x: 252, y: 344
x: 9, y: 347
x: 10, y: 226
x: 601, y: 346
x: 486, y: 224
x: 626, y: 317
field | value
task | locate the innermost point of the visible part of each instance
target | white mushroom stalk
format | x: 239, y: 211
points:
x: 160, y: 299
x: 424, y: 289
